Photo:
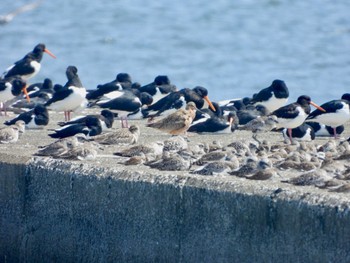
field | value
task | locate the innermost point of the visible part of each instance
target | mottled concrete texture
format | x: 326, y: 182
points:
x: 58, y: 211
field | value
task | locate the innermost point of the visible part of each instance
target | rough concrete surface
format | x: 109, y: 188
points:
x: 101, y: 211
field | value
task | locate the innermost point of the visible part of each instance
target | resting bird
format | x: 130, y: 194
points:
x: 106, y: 118
x: 272, y: 97
x: 178, y: 122
x: 36, y: 118
x: 91, y: 127
x: 123, y: 136
x: 11, y: 134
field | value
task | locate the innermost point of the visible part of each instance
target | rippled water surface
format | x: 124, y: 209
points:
x: 233, y: 48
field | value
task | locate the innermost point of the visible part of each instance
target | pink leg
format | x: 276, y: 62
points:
x: 335, y: 133
x: 290, y: 134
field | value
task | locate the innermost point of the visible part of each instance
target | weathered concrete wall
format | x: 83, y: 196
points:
x: 56, y: 211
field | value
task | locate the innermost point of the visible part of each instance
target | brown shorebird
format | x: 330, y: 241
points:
x: 58, y: 148
x: 178, y: 122
x: 11, y: 133
x: 124, y: 136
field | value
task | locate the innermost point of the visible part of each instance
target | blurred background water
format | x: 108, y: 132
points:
x: 233, y: 48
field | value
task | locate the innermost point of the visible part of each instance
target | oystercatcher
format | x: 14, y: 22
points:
x: 272, y: 97
x: 178, y: 99
x: 70, y: 97
x: 159, y: 88
x: 10, y: 88
x: 292, y: 115
x: 91, y: 127
x: 214, y: 124
x: 125, y: 102
x: 325, y: 130
x: 165, y: 106
x: 337, y: 113
x: 34, y: 119
x: 304, y: 132
x: 106, y: 118
x: 30, y: 65
x: 122, y: 81
x: 34, y: 90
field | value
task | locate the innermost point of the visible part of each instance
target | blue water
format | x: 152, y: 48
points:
x: 233, y: 48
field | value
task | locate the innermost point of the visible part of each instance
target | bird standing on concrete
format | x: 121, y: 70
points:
x: 336, y: 113
x: 70, y: 97
x: 294, y: 114
x: 178, y: 122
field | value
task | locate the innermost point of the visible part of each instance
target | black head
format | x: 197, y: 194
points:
x: 47, y: 84
x: 124, y: 77
x: 17, y: 85
x: 162, y: 80
x: 71, y: 72
x: 57, y: 87
x: 107, y: 114
x: 201, y: 91
x: 278, y: 84
x: 304, y: 99
x: 136, y: 85
x: 39, y: 108
x: 346, y: 96
x: 246, y: 100
x: 37, y: 52
x: 146, y: 98
x: 39, y: 48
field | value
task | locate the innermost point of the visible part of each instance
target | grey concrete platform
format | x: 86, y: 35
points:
x: 101, y: 211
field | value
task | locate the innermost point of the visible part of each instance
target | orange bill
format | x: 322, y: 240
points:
x: 26, y: 92
x: 49, y: 52
x: 209, y: 103
x: 317, y: 107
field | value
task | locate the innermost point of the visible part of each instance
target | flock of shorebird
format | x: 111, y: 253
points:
x: 178, y: 112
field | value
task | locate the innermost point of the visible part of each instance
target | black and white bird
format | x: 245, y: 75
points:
x: 178, y: 100
x: 106, y: 118
x: 124, y: 103
x: 36, y: 118
x: 214, y: 124
x: 91, y: 127
x: 303, y: 132
x: 122, y: 81
x: 71, y: 97
x: 336, y: 113
x: 29, y: 65
x: 159, y: 88
x: 325, y: 130
x: 39, y: 93
x: 294, y: 114
x: 10, y: 88
x: 272, y: 97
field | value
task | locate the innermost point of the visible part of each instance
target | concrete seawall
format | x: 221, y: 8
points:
x: 59, y: 211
